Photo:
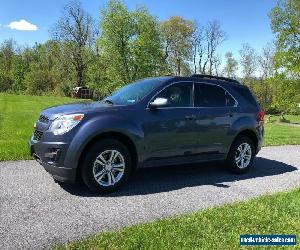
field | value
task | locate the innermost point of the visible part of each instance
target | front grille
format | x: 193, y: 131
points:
x: 37, y: 135
x: 44, y: 119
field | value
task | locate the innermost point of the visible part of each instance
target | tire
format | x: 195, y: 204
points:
x: 106, y: 166
x: 237, y: 162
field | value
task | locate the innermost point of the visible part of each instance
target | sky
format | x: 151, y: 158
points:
x: 244, y: 21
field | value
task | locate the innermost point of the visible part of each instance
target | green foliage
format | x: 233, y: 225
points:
x: 248, y: 61
x: 177, y: 33
x: 231, y: 65
x: 286, y: 94
x: 97, y: 78
x: 130, y: 43
x: 285, y: 19
x: 42, y: 75
x: 7, y: 51
x: 5, y: 81
x: 18, y: 71
x: 263, y: 91
x: 40, y: 80
x: 64, y: 88
x: 75, y: 30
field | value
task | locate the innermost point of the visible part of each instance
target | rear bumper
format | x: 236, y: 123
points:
x: 52, y: 161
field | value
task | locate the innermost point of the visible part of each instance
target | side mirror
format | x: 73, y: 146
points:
x: 159, y: 102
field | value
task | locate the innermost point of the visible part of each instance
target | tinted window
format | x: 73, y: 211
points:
x: 229, y: 100
x: 207, y: 95
x: 178, y: 94
x: 246, y: 94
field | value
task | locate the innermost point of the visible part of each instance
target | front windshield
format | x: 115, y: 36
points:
x: 134, y: 92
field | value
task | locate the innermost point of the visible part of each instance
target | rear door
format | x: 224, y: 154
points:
x: 213, y: 119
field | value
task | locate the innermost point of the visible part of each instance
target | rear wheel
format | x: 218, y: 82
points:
x: 241, y: 155
x: 106, y: 166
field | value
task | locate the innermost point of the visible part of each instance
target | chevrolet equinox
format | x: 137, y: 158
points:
x: 152, y: 122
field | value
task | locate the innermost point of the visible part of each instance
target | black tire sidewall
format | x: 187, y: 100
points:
x: 88, y: 162
x: 231, y: 155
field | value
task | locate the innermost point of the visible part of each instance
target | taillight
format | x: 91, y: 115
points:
x: 261, y: 116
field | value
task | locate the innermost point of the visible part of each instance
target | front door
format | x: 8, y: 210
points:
x: 168, y: 131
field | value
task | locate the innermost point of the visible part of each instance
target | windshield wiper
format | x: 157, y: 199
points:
x: 109, y: 101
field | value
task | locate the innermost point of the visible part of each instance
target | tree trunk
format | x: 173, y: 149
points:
x: 178, y: 67
x: 80, y: 77
x: 195, y: 66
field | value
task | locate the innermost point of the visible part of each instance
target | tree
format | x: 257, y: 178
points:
x: 129, y: 43
x: 42, y: 75
x: 18, y: 71
x: 266, y: 61
x: 76, y: 31
x: 7, y: 52
x: 286, y: 96
x: 214, y: 37
x: 147, y: 47
x: 177, y: 33
x: 97, y: 78
x: 285, y: 22
x: 264, y: 88
x: 216, y: 62
x: 231, y: 65
x: 248, y: 61
x: 197, y: 46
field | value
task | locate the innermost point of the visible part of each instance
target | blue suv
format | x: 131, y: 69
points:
x: 152, y: 122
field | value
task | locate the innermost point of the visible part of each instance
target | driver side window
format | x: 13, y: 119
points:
x: 178, y: 94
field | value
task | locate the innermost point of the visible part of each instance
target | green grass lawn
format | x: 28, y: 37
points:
x: 291, y: 118
x: 281, y: 134
x: 215, y: 228
x: 17, y: 116
x: 276, y: 134
x: 19, y: 112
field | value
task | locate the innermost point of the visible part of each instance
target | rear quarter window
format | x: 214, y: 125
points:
x: 246, y: 95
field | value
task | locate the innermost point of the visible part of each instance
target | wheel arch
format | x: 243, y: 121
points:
x: 250, y: 134
x: 111, y: 135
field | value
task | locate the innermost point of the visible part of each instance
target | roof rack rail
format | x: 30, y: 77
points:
x: 215, y: 77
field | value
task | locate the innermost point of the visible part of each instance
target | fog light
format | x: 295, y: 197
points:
x: 53, y: 155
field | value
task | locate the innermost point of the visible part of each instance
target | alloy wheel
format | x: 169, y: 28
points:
x: 109, y: 168
x: 243, y: 155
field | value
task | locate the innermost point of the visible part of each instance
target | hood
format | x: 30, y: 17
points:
x: 83, y: 107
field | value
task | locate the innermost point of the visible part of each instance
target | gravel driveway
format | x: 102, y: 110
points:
x: 36, y: 212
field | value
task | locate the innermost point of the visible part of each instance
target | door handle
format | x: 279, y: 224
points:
x: 190, y: 117
x: 230, y: 114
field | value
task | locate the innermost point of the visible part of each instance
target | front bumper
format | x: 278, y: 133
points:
x: 51, y: 156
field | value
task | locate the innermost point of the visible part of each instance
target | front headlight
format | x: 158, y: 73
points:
x: 65, y: 123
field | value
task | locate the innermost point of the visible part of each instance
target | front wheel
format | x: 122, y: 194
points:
x: 106, y: 166
x: 241, y: 155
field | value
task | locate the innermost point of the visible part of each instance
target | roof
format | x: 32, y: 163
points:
x: 222, y: 81
x: 220, y: 78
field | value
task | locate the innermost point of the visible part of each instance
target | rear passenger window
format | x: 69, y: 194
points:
x: 207, y: 95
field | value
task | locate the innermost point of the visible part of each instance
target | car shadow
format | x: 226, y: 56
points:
x: 163, y: 179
